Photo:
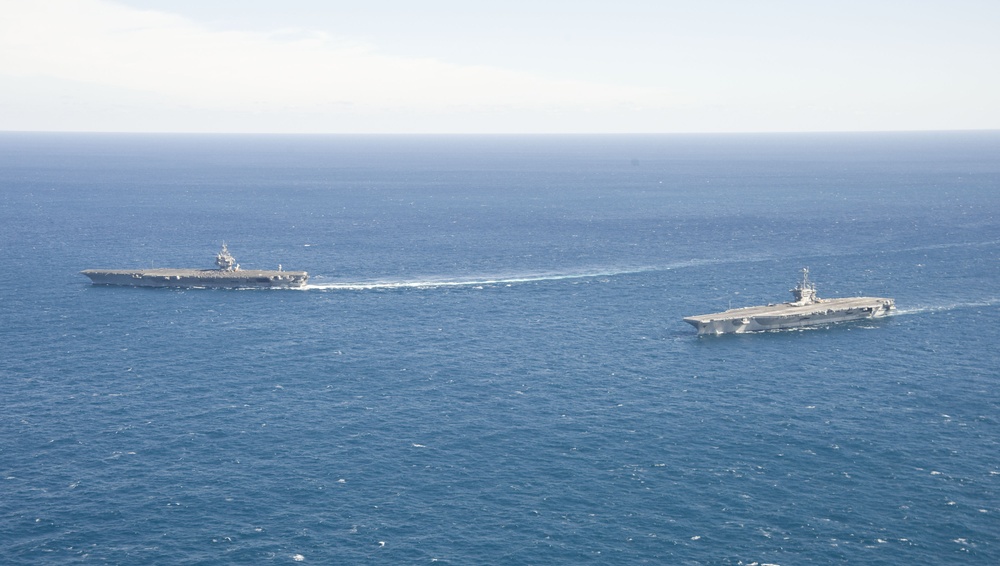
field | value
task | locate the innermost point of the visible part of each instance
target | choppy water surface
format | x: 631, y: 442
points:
x: 489, y: 365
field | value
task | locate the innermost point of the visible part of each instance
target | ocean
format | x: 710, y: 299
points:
x: 489, y: 365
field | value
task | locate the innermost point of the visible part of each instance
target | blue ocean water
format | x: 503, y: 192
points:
x: 490, y: 365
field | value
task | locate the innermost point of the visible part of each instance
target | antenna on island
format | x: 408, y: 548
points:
x: 225, y: 260
x: 805, y: 292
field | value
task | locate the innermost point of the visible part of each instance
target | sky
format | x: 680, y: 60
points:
x: 517, y: 66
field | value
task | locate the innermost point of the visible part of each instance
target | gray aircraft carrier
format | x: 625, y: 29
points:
x: 228, y: 275
x: 806, y: 310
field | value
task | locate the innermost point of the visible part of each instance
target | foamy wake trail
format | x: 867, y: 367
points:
x: 506, y: 279
x: 987, y: 243
x: 434, y: 283
x: 947, y: 307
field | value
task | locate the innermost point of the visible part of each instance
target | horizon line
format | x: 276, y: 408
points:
x: 496, y: 134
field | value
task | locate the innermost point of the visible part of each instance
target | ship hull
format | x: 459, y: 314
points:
x: 197, y: 278
x: 789, y: 315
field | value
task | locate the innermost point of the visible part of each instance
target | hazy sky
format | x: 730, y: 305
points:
x: 513, y: 66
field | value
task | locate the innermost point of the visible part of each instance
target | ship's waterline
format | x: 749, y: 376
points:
x: 228, y: 275
x: 806, y: 310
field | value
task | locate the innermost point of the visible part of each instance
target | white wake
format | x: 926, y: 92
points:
x: 483, y: 281
x: 946, y: 307
x: 432, y: 282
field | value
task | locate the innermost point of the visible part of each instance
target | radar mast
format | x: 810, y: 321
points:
x: 805, y: 292
x: 225, y: 260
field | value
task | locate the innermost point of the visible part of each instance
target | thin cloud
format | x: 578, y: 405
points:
x: 102, y: 43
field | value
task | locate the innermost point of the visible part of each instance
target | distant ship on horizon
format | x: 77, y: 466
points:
x: 805, y: 310
x: 228, y: 275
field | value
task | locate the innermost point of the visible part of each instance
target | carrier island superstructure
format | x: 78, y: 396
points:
x: 805, y: 310
x: 228, y: 275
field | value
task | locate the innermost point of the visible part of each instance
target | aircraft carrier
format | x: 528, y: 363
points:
x: 227, y: 276
x: 806, y: 310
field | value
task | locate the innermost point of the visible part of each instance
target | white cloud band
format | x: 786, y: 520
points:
x: 102, y: 43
